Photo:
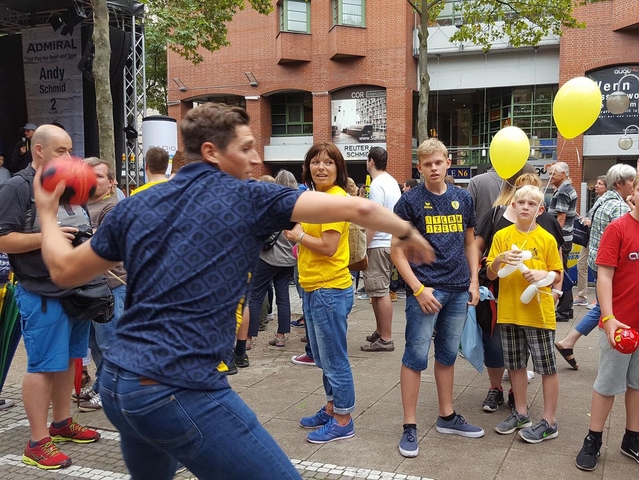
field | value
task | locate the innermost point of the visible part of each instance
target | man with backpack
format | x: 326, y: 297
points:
x: 52, y: 339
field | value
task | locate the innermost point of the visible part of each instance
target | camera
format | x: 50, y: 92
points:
x: 84, y: 233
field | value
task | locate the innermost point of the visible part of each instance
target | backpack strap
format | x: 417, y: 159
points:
x: 31, y: 213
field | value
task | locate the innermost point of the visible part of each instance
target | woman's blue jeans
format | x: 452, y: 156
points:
x: 590, y: 321
x: 213, y: 433
x: 326, y: 311
x: 102, y: 335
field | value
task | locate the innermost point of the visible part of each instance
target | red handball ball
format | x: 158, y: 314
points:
x: 626, y: 340
x: 79, y: 177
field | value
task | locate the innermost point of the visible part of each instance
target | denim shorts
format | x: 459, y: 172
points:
x: 493, y: 352
x: 448, y: 322
x: 617, y: 370
x: 51, y: 338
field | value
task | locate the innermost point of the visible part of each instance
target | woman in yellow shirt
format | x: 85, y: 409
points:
x: 323, y: 257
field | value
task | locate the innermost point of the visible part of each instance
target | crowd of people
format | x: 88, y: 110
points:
x: 199, y: 252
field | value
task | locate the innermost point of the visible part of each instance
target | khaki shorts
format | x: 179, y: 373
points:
x: 377, y: 276
x: 617, y: 370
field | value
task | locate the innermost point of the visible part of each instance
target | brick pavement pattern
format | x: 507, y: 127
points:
x: 281, y: 393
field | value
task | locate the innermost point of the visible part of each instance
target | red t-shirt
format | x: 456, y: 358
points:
x: 619, y: 248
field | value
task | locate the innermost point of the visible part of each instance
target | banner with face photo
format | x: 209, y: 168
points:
x: 53, y: 82
x: 358, y: 120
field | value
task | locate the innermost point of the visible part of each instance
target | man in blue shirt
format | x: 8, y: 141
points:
x: 188, y: 247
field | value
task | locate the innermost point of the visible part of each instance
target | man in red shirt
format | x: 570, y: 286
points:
x: 617, y: 283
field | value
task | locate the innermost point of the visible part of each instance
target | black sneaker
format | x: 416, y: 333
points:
x: 241, y: 362
x: 630, y: 447
x: 494, y: 398
x: 232, y: 367
x: 588, y: 456
x: 511, y: 398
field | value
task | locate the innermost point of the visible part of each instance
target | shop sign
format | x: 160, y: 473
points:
x: 607, y: 80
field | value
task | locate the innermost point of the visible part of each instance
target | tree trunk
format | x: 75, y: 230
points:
x: 101, y: 65
x: 424, y: 77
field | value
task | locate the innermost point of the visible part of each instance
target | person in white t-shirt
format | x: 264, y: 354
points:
x: 384, y: 190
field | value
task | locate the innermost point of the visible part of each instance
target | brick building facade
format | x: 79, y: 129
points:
x: 292, y: 68
x: 329, y: 58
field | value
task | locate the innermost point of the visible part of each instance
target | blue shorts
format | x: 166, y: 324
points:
x: 51, y: 338
x: 448, y: 322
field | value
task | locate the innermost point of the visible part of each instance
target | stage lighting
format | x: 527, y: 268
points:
x: 74, y: 15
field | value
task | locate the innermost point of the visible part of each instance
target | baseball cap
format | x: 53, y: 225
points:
x: 30, y: 126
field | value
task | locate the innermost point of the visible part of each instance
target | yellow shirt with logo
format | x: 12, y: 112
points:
x: 319, y: 271
x: 540, y: 312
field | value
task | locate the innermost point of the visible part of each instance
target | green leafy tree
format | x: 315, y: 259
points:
x: 522, y: 22
x: 184, y: 26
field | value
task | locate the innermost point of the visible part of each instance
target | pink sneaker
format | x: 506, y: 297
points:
x: 303, y: 360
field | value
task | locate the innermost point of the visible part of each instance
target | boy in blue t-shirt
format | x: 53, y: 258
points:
x: 441, y: 291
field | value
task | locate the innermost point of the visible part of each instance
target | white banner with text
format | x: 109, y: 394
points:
x: 52, y: 81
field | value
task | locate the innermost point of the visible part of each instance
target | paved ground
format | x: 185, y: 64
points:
x: 281, y: 393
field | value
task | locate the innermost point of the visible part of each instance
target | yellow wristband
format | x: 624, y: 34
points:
x: 419, y: 292
x: 490, y: 267
x: 606, y: 318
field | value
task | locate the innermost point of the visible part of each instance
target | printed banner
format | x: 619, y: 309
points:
x: 52, y: 81
x: 608, y: 81
x: 358, y: 120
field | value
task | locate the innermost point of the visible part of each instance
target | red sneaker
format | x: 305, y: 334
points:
x: 303, y: 360
x: 45, y: 455
x: 73, y: 432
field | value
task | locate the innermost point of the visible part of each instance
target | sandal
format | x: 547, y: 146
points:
x: 567, y: 353
x: 86, y: 378
x: 278, y: 341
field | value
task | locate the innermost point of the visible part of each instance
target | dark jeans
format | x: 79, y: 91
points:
x: 212, y: 433
x: 281, y: 277
x: 564, y: 307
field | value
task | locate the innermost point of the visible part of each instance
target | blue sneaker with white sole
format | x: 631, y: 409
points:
x: 331, y: 432
x: 317, y: 420
x: 408, y: 446
x: 459, y: 426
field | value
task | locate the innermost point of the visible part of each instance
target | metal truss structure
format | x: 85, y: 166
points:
x: 127, y: 15
x: 134, y: 84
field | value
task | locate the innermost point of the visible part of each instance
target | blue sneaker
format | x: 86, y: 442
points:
x: 299, y: 323
x: 408, y: 446
x: 331, y: 432
x: 539, y: 432
x: 458, y: 426
x: 317, y: 420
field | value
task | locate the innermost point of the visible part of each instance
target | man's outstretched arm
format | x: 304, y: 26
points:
x: 317, y: 207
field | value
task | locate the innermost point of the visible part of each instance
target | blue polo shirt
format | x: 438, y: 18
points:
x: 443, y: 221
x: 188, y: 246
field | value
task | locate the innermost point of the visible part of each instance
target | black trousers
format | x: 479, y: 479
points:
x: 564, y: 307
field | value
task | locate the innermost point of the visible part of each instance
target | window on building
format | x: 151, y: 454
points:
x: 349, y: 12
x: 295, y: 16
x: 292, y: 114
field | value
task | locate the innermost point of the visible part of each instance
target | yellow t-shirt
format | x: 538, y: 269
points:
x: 319, y: 271
x: 146, y: 185
x: 510, y: 309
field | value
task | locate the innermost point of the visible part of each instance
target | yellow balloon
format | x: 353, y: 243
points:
x: 576, y: 106
x: 509, y: 151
